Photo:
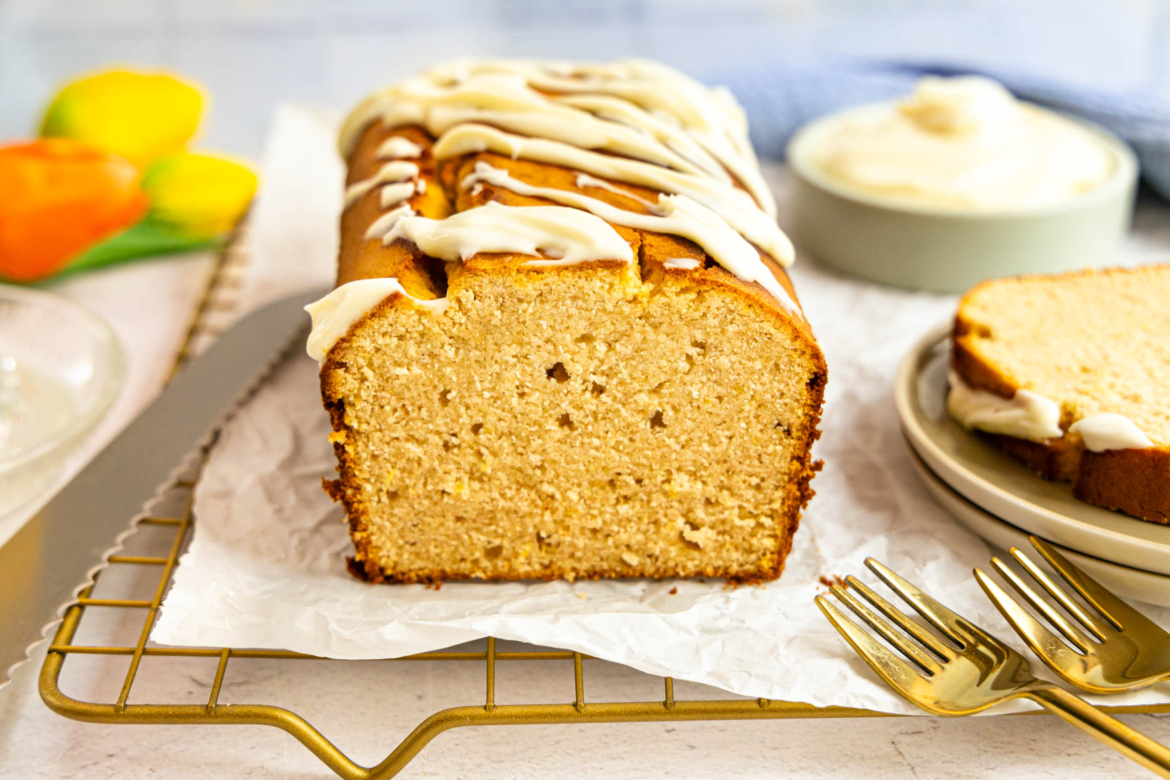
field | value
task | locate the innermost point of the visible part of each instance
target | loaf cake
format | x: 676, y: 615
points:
x: 563, y: 344
x: 1070, y: 374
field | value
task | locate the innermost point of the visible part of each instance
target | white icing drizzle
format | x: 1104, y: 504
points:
x: 1029, y: 415
x: 658, y: 127
x: 676, y: 214
x: 585, y: 180
x: 383, y: 224
x: 566, y: 234
x: 684, y: 119
x: 632, y: 122
x: 685, y: 263
x: 1110, y: 431
x: 569, y: 125
x: 393, y: 194
x: 397, y: 147
x: 1026, y: 415
x: 395, y: 171
x: 712, y: 117
x: 735, y: 206
x: 336, y: 313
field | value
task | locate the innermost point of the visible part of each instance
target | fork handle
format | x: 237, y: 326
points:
x: 1110, y: 730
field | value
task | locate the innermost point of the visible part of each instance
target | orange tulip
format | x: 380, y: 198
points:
x: 61, y: 197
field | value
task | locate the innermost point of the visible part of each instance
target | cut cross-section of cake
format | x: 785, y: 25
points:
x: 563, y: 344
x: 1071, y: 375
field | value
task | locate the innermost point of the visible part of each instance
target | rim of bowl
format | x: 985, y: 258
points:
x: 107, y: 394
x: 1124, y: 176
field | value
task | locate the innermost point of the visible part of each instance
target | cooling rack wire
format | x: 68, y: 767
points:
x: 214, y: 313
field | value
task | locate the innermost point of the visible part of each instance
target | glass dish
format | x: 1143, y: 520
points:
x: 61, y: 368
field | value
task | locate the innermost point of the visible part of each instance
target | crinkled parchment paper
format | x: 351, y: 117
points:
x: 266, y: 566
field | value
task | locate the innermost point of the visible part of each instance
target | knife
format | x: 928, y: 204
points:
x: 53, y: 557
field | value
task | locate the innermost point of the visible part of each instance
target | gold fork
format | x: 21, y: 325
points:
x: 1114, y: 647
x: 967, y: 670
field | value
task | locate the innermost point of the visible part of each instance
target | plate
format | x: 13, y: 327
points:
x: 987, y: 477
x: 1125, y: 581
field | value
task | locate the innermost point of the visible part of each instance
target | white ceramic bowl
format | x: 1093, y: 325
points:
x: 61, y: 369
x: 950, y: 249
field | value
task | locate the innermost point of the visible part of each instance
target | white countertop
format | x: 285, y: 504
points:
x: 255, y: 53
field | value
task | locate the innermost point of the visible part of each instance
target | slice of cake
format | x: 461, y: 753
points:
x: 563, y: 344
x: 1071, y: 375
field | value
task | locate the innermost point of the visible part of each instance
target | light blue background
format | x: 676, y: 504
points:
x: 253, y: 53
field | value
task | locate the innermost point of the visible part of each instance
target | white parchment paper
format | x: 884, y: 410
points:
x: 266, y: 566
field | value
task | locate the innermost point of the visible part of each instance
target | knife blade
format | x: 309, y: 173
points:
x: 54, y: 555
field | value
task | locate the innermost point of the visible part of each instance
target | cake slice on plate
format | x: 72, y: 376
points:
x: 1071, y: 375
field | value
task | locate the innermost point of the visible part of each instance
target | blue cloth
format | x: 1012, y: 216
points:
x: 779, y: 98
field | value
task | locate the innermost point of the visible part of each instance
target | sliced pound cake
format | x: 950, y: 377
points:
x: 563, y: 344
x: 1071, y: 375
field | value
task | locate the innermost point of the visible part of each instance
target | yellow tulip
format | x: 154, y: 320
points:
x: 139, y: 116
x: 199, y: 194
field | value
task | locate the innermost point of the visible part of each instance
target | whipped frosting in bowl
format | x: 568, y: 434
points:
x: 956, y: 183
x: 963, y: 143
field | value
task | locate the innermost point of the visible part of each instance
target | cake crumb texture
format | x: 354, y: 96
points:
x: 601, y: 419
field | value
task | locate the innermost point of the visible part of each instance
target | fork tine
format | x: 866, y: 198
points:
x: 1058, y: 593
x: 893, y: 670
x: 1071, y: 632
x: 935, y: 613
x: 939, y: 648
x: 1111, y: 608
x: 1043, y: 642
x: 888, y: 632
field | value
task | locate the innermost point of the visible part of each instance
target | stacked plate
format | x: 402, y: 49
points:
x: 1003, y: 502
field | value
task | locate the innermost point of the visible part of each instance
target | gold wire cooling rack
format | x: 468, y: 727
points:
x: 213, y: 313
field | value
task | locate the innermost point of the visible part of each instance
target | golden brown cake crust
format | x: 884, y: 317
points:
x: 1134, y: 481
x: 361, y: 259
